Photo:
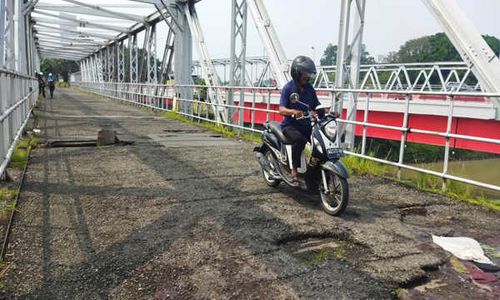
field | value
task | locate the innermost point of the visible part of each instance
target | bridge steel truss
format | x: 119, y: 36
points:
x: 113, y: 64
x: 18, y: 92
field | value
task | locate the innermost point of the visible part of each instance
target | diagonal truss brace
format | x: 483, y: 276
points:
x: 209, y: 74
x: 470, y: 44
x: 277, y: 57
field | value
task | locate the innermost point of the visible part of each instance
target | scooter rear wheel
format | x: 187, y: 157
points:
x: 334, y: 202
x: 268, y: 177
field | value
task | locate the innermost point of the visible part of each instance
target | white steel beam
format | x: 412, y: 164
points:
x: 348, y: 62
x: 55, y: 37
x: 10, y: 41
x: 100, y: 9
x: 82, y: 22
x: 66, y: 24
x: 469, y: 43
x: 269, y: 37
x: 77, y: 32
x: 209, y: 74
x: 2, y: 32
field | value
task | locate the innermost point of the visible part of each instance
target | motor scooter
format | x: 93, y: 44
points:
x: 322, y: 171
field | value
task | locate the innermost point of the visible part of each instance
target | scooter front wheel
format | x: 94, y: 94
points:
x: 334, y: 201
x: 268, y: 177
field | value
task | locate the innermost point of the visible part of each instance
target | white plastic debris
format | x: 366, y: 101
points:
x: 36, y: 130
x: 462, y: 247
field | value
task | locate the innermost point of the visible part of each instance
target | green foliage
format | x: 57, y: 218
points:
x: 7, y: 202
x: 433, y: 48
x: 324, y: 255
x: 202, y: 92
x: 427, y: 182
x: 59, y: 66
x: 321, y: 256
x: 416, y: 153
x: 19, y: 158
x: 361, y: 166
x: 329, y: 57
x: 7, y: 194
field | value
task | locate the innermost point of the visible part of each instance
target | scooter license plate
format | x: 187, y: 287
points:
x: 334, y: 153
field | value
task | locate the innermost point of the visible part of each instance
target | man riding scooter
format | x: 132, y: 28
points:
x: 280, y: 155
x: 296, y: 128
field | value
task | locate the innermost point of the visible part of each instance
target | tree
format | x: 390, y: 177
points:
x: 329, y: 57
x: 59, y: 66
x: 433, y: 48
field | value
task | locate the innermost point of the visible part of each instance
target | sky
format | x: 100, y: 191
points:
x: 305, y: 27
x: 306, y: 24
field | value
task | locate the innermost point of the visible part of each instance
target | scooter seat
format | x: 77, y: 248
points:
x: 275, y: 127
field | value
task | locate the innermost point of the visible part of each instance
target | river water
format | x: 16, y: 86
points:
x: 483, y: 170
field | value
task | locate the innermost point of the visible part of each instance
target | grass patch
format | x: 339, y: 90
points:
x: 324, y: 255
x: 6, y: 194
x: 19, y: 158
x: 360, y: 166
x: 424, y: 182
x: 7, y: 202
x: 321, y: 256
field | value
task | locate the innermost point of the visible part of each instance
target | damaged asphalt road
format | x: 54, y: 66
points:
x: 184, y: 214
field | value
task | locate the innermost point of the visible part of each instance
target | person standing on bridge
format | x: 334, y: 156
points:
x: 52, y: 85
x: 295, y: 128
x: 41, y: 84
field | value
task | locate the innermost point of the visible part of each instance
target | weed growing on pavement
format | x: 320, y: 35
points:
x: 7, y: 202
x: 20, y: 155
x: 321, y: 256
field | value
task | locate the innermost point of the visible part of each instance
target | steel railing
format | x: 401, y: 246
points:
x: 257, y: 104
x: 18, y: 94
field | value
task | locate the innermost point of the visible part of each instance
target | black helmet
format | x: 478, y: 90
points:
x: 300, y: 65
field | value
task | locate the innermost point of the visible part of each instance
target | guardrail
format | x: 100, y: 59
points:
x: 18, y: 95
x: 256, y: 104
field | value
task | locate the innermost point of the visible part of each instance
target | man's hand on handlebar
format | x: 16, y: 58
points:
x: 297, y: 114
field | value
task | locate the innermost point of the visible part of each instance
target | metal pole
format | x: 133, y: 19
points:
x: 2, y: 33
x: 355, y: 61
x: 238, y: 51
x: 404, y: 132
x: 447, y: 144
x: 341, y: 53
x: 183, y: 57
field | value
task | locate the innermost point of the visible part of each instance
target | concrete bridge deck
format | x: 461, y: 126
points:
x: 186, y: 215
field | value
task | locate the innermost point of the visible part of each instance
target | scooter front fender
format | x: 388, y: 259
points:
x: 336, y: 167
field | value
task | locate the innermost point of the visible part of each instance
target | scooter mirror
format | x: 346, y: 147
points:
x: 294, y: 98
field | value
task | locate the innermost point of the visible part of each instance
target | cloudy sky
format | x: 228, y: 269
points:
x: 303, y: 24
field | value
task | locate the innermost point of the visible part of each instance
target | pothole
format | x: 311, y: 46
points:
x: 80, y: 143
x: 314, y: 248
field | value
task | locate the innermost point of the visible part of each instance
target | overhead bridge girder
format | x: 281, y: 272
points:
x: 470, y: 44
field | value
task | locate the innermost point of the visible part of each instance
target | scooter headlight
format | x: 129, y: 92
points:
x: 330, y: 130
